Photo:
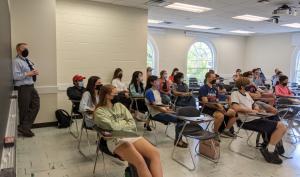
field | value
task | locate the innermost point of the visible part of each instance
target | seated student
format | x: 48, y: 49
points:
x: 275, y: 78
x: 242, y: 103
x: 262, y: 76
x: 282, y: 90
x: 164, y: 87
x: 174, y: 72
x: 160, y: 113
x: 135, y: 150
x: 136, y: 89
x: 260, y: 96
x: 208, y: 95
x: 236, y: 76
x: 257, y: 80
x: 222, y: 92
x: 90, y: 97
x: 75, y: 92
x: 149, y: 72
x: 181, y: 90
x: 123, y: 93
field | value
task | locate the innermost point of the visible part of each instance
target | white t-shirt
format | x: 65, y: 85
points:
x: 244, y: 101
x: 121, y: 86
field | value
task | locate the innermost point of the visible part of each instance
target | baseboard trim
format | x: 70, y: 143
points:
x: 45, y: 124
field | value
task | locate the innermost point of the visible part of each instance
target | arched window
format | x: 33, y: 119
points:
x: 200, y: 60
x: 297, y: 70
x: 151, y: 56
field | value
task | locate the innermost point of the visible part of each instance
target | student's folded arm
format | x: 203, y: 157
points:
x: 238, y: 108
x: 158, y: 108
x: 205, y: 102
x: 176, y: 93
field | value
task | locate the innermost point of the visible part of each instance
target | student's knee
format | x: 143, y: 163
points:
x: 218, y: 116
x: 281, y: 127
x: 231, y: 113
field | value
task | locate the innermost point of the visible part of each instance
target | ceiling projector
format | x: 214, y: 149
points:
x: 285, y: 10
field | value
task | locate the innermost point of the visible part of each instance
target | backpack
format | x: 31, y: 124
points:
x: 63, y: 118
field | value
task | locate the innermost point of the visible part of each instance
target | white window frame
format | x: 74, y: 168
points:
x: 213, y: 50
x: 156, y: 54
x: 295, y: 63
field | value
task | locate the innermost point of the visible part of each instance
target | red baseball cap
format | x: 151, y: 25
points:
x: 78, y: 77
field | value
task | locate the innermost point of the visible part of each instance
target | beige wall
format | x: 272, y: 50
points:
x: 33, y: 22
x: 173, y: 47
x: 270, y: 52
x: 95, y: 38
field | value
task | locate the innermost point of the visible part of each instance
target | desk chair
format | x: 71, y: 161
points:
x: 75, y: 114
x: 192, y: 119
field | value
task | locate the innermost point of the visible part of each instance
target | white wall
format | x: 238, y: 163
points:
x: 269, y: 52
x: 173, y: 47
x: 95, y: 38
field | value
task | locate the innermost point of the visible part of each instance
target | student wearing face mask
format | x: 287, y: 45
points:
x: 181, y: 91
x: 90, y: 97
x: 136, y: 89
x: 174, y: 72
x: 208, y: 95
x: 76, y: 91
x: 260, y: 96
x: 164, y: 87
x: 283, y: 91
x: 160, y: 112
x: 24, y: 77
x: 271, y: 126
x: 123, y: 93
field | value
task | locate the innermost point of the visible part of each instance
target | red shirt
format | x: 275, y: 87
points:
x: 162, y: 87
x: 171, y: 78
x: 281, y: 90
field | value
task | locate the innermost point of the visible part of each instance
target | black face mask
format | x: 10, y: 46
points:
x: 120, y: 76
x: 25, y: 53
x: 98, y: 87
x: 284, y: 84
x: 213, y: 82
x: 115, y: 100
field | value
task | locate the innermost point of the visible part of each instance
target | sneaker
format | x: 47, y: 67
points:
x: 270, y: 157
x: 228, y: 134
x: 181, y: 144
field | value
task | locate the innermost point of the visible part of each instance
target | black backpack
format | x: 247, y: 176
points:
x: 63, y: 118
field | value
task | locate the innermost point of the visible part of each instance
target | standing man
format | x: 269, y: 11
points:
x: 24, y: 75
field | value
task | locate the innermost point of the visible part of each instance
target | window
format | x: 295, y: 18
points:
x: 297, y: 71
x: 150, y: 55
x: 200, y: 60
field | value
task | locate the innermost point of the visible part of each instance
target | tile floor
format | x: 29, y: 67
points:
x: 53, y: 153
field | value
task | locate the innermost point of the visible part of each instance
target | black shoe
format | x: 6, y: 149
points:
x: 25, y: 132
x: 270, y: 157
x: 31, y: 132
x: 147, y: 127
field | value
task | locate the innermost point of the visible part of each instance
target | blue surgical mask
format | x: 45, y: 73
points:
x: 81, y: 84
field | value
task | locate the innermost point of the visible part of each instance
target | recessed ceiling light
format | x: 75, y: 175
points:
x: 251, y: 18
x: 188, y: 7
x: 154, y: 21
x: 242, y: 32
x: 200, y: 27
x: 292, y: 25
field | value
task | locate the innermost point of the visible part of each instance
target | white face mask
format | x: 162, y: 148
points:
x: 81, y: 84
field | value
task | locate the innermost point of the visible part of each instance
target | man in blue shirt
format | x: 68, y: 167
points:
x: 24, y: 75
x: 208, y: 95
